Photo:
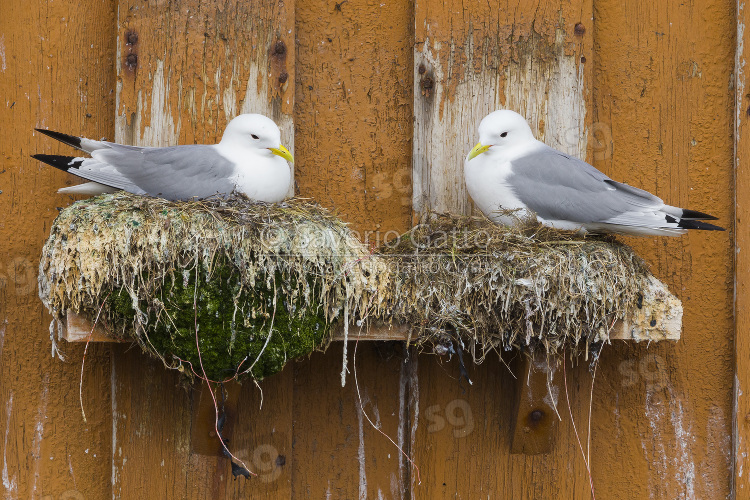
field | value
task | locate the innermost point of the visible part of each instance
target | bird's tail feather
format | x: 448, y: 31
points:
x: 696, y: 224
x: 86, y: 145
x: 684, y: 213
x: 64, y: 163
x: 693, y: 223
x: 70, y: 140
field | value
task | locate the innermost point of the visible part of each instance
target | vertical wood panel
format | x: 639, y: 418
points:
x: 471, y: 59
x: 354, y: 110
x: 56, y: 72
x: 353, y: 132
x: 184, y: 70
x: 664, y: 74
x: 337, y: 453
x: 741, y: 416
x: 153, y: 422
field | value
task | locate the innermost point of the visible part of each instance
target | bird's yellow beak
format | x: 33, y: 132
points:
x: 478, y: 150
x: 283, y: 152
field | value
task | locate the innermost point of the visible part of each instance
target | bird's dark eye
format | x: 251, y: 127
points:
x: 504, y: 134
x: 254, y: 136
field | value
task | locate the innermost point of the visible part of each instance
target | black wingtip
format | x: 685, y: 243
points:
x: 696, y: 224
x: 64, y: 163
x: 695, y: 215
x: 70, y: 140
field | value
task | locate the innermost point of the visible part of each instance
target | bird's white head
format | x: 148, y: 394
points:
x: 501, y: 130
x: 255, y: 132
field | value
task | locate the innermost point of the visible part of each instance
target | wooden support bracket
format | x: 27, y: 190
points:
x: 203, y: 438
x: 535, y: 409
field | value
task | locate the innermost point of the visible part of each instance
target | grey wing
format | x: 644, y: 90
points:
x: 560, y: 187
x: 178, y: 172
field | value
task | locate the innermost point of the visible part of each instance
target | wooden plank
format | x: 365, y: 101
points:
x: 663, y: 71
x: 471, y: 59
x: 55, y: 72
x: 153, y: 428
x: 338, y: 453
x: 354, y: 139
x: 184, y: 70
x: 741, y: 402
x: 354, y: 112
x: 203, y: 437
x: 643, y: 324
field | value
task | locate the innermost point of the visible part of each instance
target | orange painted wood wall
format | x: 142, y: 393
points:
x: 380, y: 101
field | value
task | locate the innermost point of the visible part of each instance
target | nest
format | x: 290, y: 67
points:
x: 467, y: 280
x: 228, y: 287
x: 221, y: 285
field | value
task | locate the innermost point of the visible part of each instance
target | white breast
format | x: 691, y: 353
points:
x: 486, y: 181
x: 259, y: 176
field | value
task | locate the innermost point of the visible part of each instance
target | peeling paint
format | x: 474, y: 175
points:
x: 2, y: 53
x: 3, y: 327
x: 414, y: 405
x: 444, y: 129
x: 361, y: 450
x: 256, y: 100
x: 666, y: 455
x: 550, y: 95
x: 36, y: 444
x: 11, y: 487
x: 685, y: 466
x: 398, y: 487
x: 161, y: 129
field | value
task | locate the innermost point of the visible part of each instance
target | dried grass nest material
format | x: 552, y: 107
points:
x: 239, y: 270
x: 494, y: 287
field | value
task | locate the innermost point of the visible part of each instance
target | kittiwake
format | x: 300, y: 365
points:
x: 249, y: 159
x: 510, y: 170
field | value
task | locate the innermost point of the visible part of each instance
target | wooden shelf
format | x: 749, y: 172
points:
x: 78, y: 329
x: 657, y: 317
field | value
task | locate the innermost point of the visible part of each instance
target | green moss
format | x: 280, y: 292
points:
x: 233, y: 323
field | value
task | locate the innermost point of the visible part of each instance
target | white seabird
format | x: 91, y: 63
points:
x: 249, y: 159
x: 510, y: 170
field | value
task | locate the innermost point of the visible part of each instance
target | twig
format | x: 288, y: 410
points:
x: 364, y: 412
x: 83, y: 361
x: 575, y: 429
